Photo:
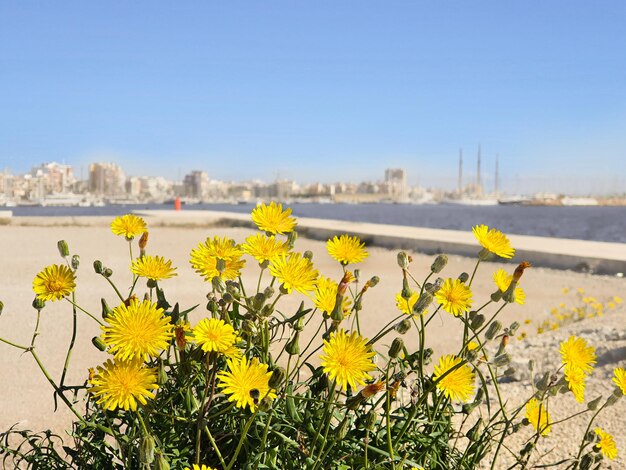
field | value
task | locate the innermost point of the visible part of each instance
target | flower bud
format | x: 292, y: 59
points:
x: 308, y: 254
x: 161, y: 462
x: 264, y: 264
x: 357, y: 274
x: 99, y: 343
x: 493, y: 330
x: 218, y: 284
x: 151, y: 283
x: 220, y: 265
x: 146, y: 450
x: 228, y: 297
x: 143, y: 241
x: 464, y: 277
x: 212, y: 306
x: 75, y: 262
x: 403, y: 260
x: 293, y: 347
x: 466, y: 409
x: 373, y: 281
x: 278, y: 377
x: 396, y: 347
x: 106, y: 311
x: 108, y: 272
x: 64, y: 250
x: 370, y: 420
x: 614, y: 397
x: 353, y: 402
x: 496, y: 296
x: 1, y: 306
x: 403, y: 326
x: 478, y: 321
x: 39, y: 304
x: 422, y: 303
x: 269, y: 292
x: 509, y: 372
x: 513, y: 328
x: 502, y: 360
x: 161, y: 374
x: 291, y: 239
x: 258, y: 301
x: 342, y: 430
x: 543, y: 382
x: 509, y: 294
x: 432, y: 288
x: 439, y: 263
x: 527, y: 449
x: 98, y: 267
x: 406, y: 292
x: 283, y: 290
x: 267, y: 310
x: 593, y: 404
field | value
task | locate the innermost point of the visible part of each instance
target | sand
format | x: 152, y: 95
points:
x: 26, y: 396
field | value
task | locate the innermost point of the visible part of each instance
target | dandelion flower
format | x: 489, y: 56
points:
x: 295, y: 272
x: 326, y: 295
x: 503, y: 281
x: 273, y: 219
x: 204, y: 259
x: 347, y: 359
x: 121, y: 384
x: 153, y: 267
x: 576, y: 354
x: 346, y: 249
x: 129, y: 226
x: 493, y: 241
x: 213, y: 334
x: 457, y: 385
x: 138, y: 330
x: 54, y: 283
x: 576, y: 382
x: 247, y: 383
x: 455, y: 297
x: 472, y: 345
x: 263, y: 248
x: 606, y: 445
x: 200, y: 467
x: 620, y: 379
x: 406, y: 305
x: 538, y: 416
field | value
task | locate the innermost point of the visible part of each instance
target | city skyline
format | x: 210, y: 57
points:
x: 320, y: 92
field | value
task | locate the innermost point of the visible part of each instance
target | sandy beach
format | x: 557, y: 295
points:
x: 28, y: 246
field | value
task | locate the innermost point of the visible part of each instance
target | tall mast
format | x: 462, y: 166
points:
x: 460, y: 188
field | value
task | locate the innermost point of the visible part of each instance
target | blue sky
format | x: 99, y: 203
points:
x: 318, y: 90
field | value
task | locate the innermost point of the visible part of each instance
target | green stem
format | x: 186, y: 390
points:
x: 115, y: 288
x: 582, y: 443
x: 258, y: 284
x: 71, y: 346
x: 265, y: 433
x: 214, y: 445
x: 388, y: 420
x: 209, y: 362
x: 36, y: 331
x: 85, y: 311
x: 241, y: 439
x: 474, y: 273
x: 25, y: 348
x: 326, y: 418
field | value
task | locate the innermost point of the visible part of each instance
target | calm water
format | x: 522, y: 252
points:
x: 586, y: 223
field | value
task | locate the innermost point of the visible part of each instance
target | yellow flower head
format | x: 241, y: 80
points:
x: 457, y: 385
x: 472, y: 345
x: 494, y: 241
x: 346, y: 249
x: 247, y: 383
x: 576, y: 354
x: 538, y: 416
x: 138, y: 330
x: 54, y: 283
x: 455, y: 297
x: 503, y: 281
x: 606, y: 444
x: 219, y: 257
x: 273, y: 219
x: 620, y: 379
x: 200, y: 467
x: 153, y: 267
x: 326, y: 295
x: 406, y: 305
x: 576, y: 382
x: 295, y: 272
x: 121, y: 384
x: 129, y: 226
x: 347, y: 359
x: 213, y: 334
x: 263, y: 248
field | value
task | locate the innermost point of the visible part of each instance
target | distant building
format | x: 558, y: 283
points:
x: 395, y: 178
x: 196, y: 184
x: 53, y: 178
x: 106, y: 179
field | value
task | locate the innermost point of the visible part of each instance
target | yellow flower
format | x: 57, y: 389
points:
x: 457, y: 385
x: 455, y: 297
x: 263, y: 248
x: 617, y: 300
x: 494, y: 241
x: 406, y: 305
x: 153, y: 267
x: 472, y: 345
x: 346, y: 249
x: 620, y: 379
x: 204, y: 259
x: 273, y: 219
x: 54, y: 282
x: 576, y: 354
x: 138, y: 330
x: 606, y: 445
x: 326, y: 295
x: 247, y: 383
x: 213, y: 334
x: 538, y: 416
x: 129, y: 226
x: 121, y: 384
x: 294, y: 272
x: 347, y: 359
x: 199, y: 467
x: 576, y: 382
x: 503, y: 281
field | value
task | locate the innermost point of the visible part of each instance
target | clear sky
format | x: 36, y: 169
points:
x: 316, y: 90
